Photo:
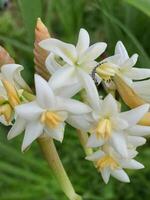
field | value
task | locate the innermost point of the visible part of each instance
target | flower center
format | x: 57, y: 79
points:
x: 51, y: 119
x: 106, y: 70
x: 104, y: 129
x: 106, y: 161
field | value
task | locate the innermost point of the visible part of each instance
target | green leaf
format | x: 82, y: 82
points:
x: 142, y: 5
x: 30, y: 11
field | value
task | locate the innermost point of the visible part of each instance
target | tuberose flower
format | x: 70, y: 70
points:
x: 46, y: 114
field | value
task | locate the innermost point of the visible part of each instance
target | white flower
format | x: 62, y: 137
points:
x: 46, y: 114
x: 108, y: 162
x: 75, y: 58
x: 120, y: 63
x: 111, y: 126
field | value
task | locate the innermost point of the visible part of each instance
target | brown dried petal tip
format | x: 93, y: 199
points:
x: 5, y: 58
x: 41, y: 33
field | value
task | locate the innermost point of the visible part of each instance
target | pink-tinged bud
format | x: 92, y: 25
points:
x: 5, y: 58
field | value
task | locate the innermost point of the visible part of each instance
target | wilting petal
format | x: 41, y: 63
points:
x: 92, y: 52
x: 29, y: 111
x: 66, y: 51
x: 56, y: 133
x: 17, y: 128
x: 95, y: 156
x: 33, y: 130
x: 139, y: 130
x: 83, y: 41
x: 91, y: 90
x: 133, y: 116
x: 131, y: 164
x: 44, y: 94
x: 93, y: 141
x: 120, y: 175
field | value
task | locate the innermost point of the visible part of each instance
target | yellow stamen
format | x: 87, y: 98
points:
x: 12, y: 94
x: 107, y: 161
x: 104, y: 129
x: 106, y: 71
x: 51, y: 119
x: 6, y: 111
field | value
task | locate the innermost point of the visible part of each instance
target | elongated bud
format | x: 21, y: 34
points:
x: 5, y: 58
x: 12, y: 94
x: 127, y: 93
x: 6, y: 111
x: 40, y: 55
x: 131, y: 98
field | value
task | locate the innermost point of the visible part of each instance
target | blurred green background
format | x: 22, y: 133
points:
x: 26, y: 176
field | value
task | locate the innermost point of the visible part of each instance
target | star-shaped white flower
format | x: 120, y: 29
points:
x: 110, y: 163
x: 75, y: 58
x: 111, y: 126
x: 123, y: 65
x: 46, y: 114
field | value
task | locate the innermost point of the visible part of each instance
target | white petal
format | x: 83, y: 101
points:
x: 133, y: 116
x: 138, y: 74
x: 65, y: 76
x: 57, y: 133
x: 72, y: 106
x: 44, y: 94
x: 105, y: 174
x: 51, y: 64
x: 136, y: 141
x: 11, y: 72
x: 33, y: 130
x: 94, y: 142
x: 17, y: 128
x: 119, y: 124
x: 118, y: 141
x: 81, y: 122
x: 83, y: 41
x: 120, y: 49
x: 109, y: 106
x: 95, y: 156
x: 66, y: 51
x: 115, y: 59
x: 120, y: 175
x: 92, y: 52
x: 91, y: 90
x: 139, y: 130
x: 128, y: 64
x: 29, y: 111
x: 131, y: 164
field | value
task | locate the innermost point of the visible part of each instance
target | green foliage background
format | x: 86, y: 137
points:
x: 26, y: 176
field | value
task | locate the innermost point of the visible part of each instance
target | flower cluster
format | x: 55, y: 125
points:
x: 112, y: 134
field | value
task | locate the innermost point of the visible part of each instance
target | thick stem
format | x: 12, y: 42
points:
x: 83, y: 137
x: 49, y: 150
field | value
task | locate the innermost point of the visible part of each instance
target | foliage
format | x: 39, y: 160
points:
x: 25, y: 177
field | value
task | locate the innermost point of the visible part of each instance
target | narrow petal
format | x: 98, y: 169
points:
x: 29, y: 111
x: 105, y: 174
x: 72, y: 106
x: 131, y: 164
x: 95, y: 156
x: 33, y: 130
x: 51, y: 64
x: 128, y: 64
x: 83, y: 41
x: 57, y: 133
x: 115, y: 59
x: 133, y: 116
x: 17, y: 128
x: 118, y: 141
x: 139, y: 130
x: 94, y: 142
x: 66, y: 51
x: 44, y: 94
x: 120, y: 49
x: 92, y: 52
x: 91, y: 90
x: 138, y: 74
x: 136, y: 141
x: 120, y: 175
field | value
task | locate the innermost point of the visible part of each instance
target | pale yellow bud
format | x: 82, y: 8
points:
x: 6, y: 111
x: 104, y: 129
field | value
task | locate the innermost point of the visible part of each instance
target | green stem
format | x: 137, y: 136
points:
x: 49, y: 150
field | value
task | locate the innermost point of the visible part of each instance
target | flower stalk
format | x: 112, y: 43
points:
x: 50, y: 153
